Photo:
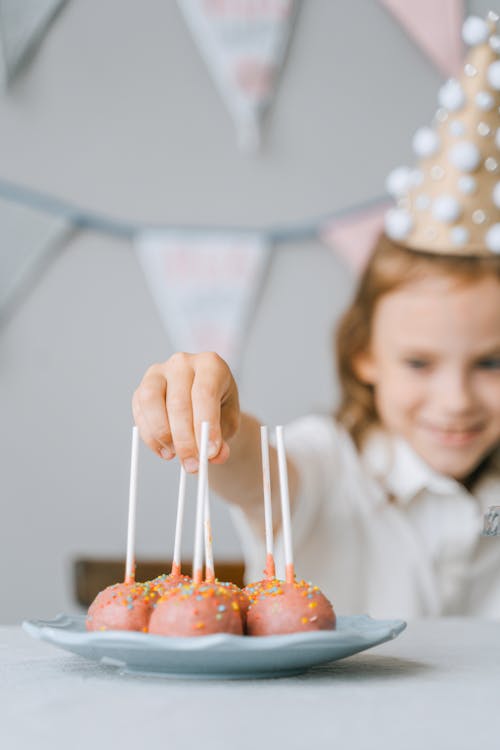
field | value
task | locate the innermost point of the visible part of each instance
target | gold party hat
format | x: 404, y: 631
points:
x: 451, y: 202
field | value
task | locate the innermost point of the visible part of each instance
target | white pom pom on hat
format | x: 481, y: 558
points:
x: 451, y: 96
x: 398, y: 223
x: 425, y: 142
x: 465, y: 156
x: 493, y: 75
x: 399, y: 181
x: 493, y: 238
x: 475, y: 30
x: 446, y: 208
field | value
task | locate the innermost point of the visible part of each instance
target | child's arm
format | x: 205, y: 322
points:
x: 169, y: 405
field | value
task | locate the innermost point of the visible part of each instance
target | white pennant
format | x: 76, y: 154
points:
x: 23, y: 24
x: 244, y: 44
x: 205, y: 286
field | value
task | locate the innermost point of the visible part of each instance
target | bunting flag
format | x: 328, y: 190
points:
x: 205, y: 286
x: 353, y: 237
x: 23, y: 24
x: 243, y: 43
x: 28, y: 241
x: 435, y: 26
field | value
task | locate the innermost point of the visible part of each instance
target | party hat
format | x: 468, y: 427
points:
x: 450, y: 203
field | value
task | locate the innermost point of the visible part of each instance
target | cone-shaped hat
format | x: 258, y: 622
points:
x: 450, y: 203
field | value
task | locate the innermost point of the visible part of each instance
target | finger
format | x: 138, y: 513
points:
x: 150, y: 407
x: 146, y: 435
x: 180, y: 415
x: 222, y: 455
x: 209, y: 385
x: 230, y: 414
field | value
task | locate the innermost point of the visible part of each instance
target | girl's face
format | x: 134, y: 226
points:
x: 434, y: 362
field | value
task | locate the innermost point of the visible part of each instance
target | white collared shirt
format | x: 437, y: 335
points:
x: 380, y: 532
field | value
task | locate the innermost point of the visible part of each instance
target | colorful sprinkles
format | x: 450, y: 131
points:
x: 208, y: 607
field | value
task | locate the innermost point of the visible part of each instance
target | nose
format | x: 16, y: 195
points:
x: 456, y: 394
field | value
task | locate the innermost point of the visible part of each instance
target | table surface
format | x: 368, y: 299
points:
x: 436, y: 686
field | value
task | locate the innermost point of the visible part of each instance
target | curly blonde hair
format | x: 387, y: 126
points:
x: 390, y: 267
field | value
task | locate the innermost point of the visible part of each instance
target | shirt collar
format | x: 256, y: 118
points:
x: 401, y: 472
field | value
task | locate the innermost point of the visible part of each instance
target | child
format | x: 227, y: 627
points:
x: 388, y: 497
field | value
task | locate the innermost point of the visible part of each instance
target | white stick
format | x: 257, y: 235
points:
x: 285, y: 504
x: 209, y: 553
x: 176, y: 564
x: 132, y: 502
x: 266, y: 482
x: 200, y: 505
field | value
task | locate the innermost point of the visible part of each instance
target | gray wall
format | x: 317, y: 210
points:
x: 118, y: 114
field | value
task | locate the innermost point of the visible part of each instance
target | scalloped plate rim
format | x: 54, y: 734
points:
x: 58, y: 632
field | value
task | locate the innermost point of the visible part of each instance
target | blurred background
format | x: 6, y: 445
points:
x: 116, y: 113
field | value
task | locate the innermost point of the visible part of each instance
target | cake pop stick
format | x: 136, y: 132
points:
x: 164, y: 582
x: 209, y: 554
x: 200, y: 505
x: 268, y: 510
x: 176, y: 563
x: 132, y: 502
x: 285, y: 506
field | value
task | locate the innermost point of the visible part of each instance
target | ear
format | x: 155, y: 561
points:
x: 365, y: 368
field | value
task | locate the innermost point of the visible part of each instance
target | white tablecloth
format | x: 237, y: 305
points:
x: 437, y: 686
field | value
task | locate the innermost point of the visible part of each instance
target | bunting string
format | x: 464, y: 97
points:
x: 128, y: 230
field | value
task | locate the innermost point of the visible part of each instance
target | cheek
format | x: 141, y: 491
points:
x: 399, y: 389
x: 489, y: 393
x: 397, y: 400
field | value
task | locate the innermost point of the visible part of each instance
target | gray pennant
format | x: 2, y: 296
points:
x: 29, y: 239
x: 23, y: 24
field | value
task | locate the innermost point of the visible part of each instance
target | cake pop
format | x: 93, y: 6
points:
x: 287, y: 607
x: 198, y: 608
x: 122, y: 606
x: 127, y: 605
x: 240, y: 597
x: 279, y: 607
x: 253, y: 589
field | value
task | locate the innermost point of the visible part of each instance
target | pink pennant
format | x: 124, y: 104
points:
x: 435, y: 26
x: 353, y: 238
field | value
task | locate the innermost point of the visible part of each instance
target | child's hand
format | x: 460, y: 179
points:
x: 175, y: 397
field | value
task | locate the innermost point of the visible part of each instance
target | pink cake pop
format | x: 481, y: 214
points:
x: 278, y: 607
x: 122, y: 606
x: 270, y: 569
x: 127, y: 605
x: 198, y: 608
x: 240, y: 597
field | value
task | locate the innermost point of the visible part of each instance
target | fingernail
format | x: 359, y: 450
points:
x: 167, y: 453
x: 213, y: 449
x: 191, y: 465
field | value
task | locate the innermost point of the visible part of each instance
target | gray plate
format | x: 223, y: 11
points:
x: 215, y: 656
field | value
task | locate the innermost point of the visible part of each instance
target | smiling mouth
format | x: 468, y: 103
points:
x: 454, y: 436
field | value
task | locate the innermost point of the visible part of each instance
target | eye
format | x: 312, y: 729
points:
x: 489, y: 363
x: 416, y: 363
